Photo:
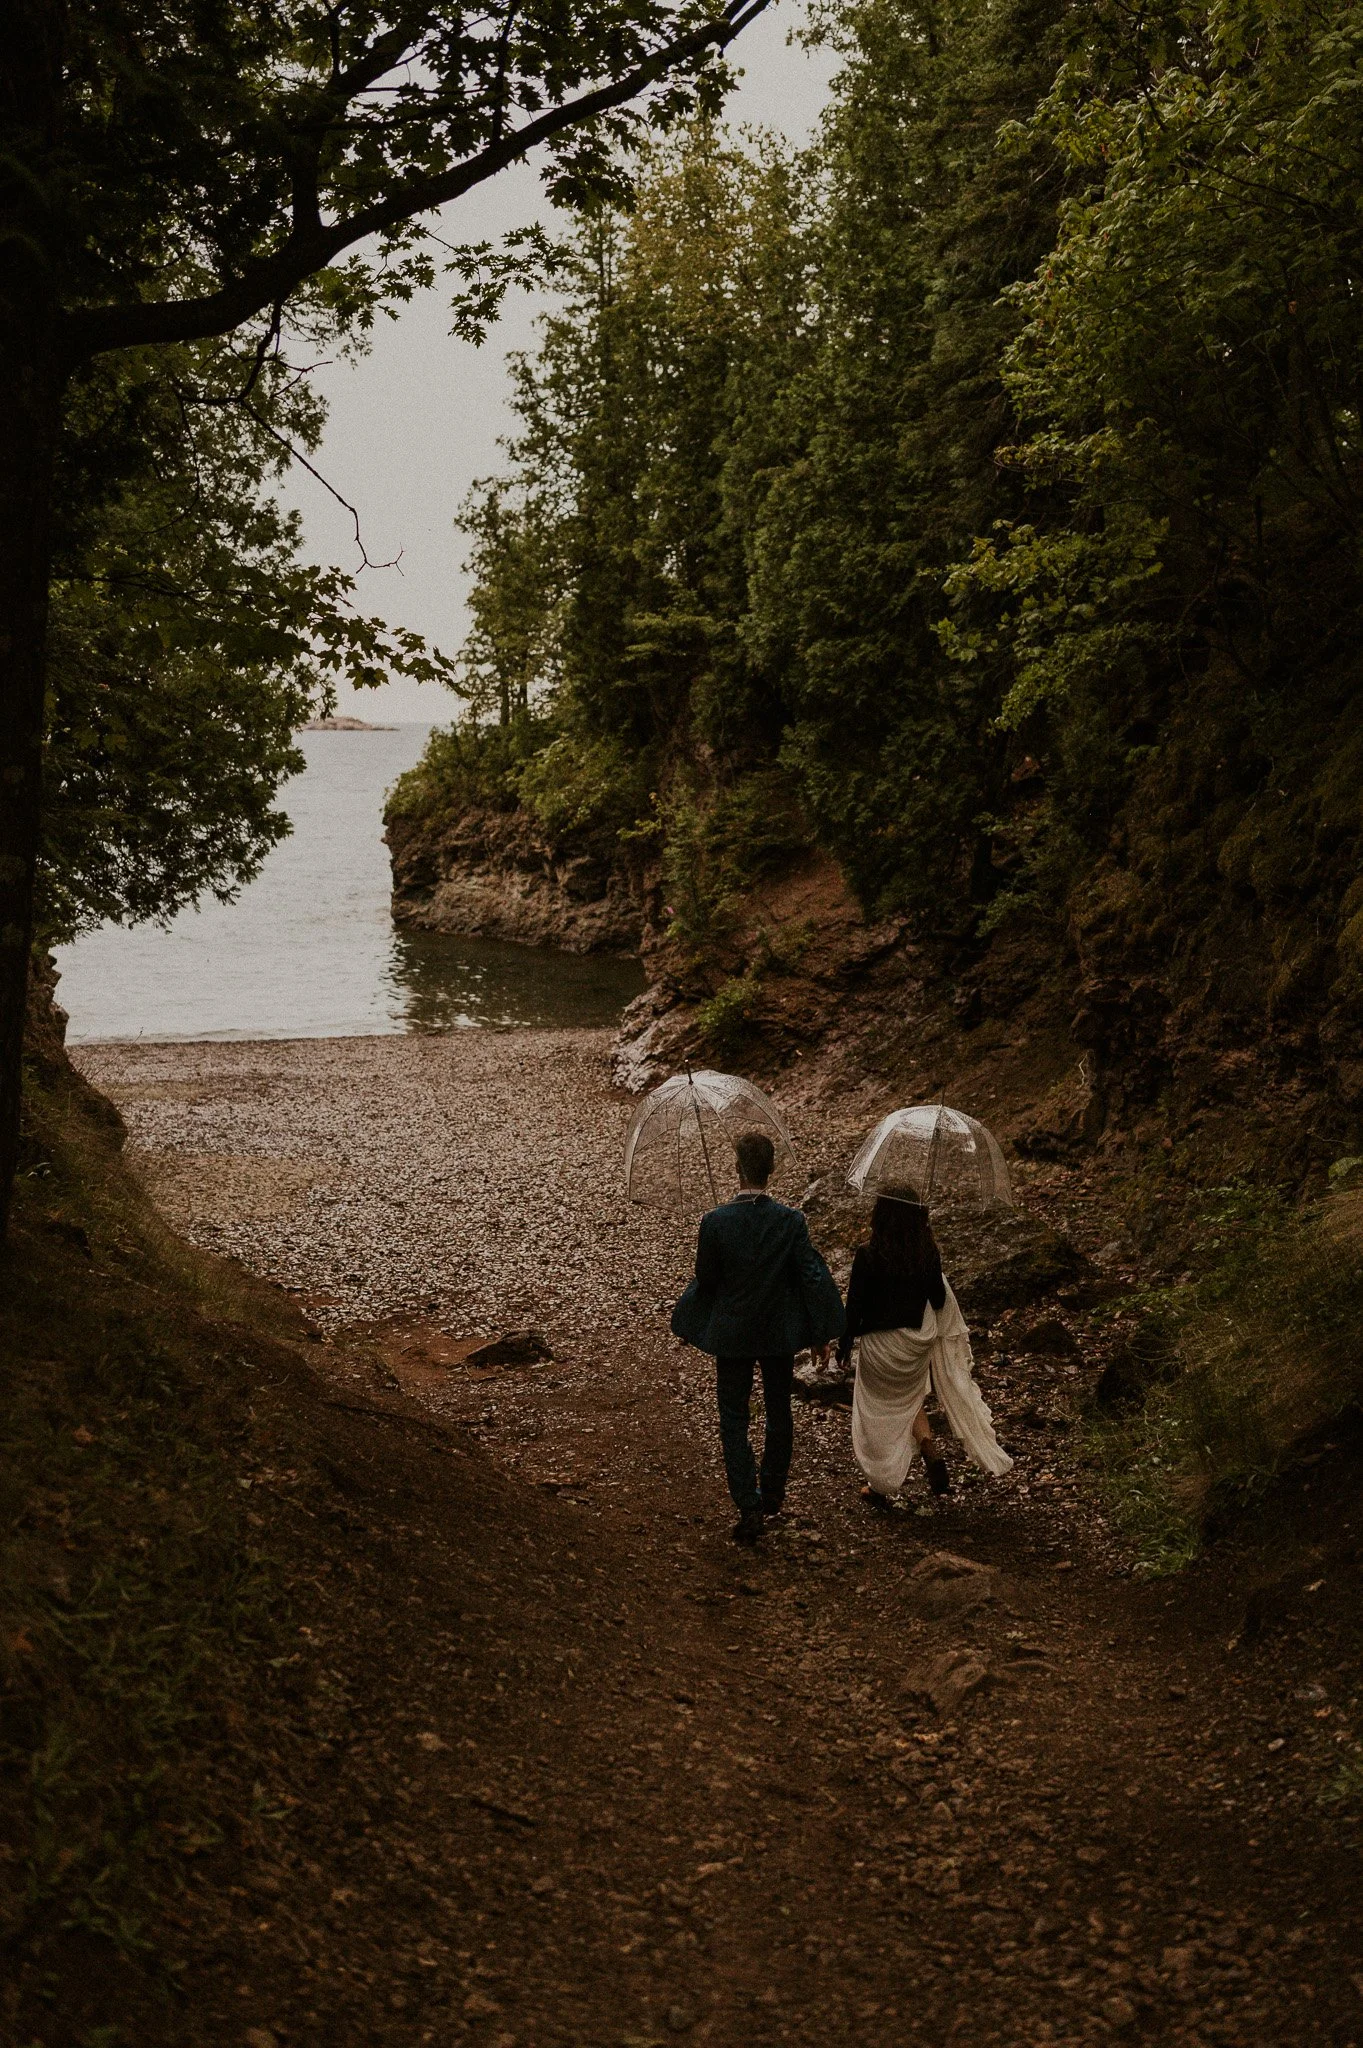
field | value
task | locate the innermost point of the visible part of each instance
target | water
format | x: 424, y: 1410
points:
x: 309, y: 950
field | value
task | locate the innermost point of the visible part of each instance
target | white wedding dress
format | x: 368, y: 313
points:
x: 894, y: 1371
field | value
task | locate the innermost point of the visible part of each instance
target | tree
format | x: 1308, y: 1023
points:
x: 892, y: 426
x: 1175, y: 615
x: 188, y: 641
x: 170, y: 171
x: 512, y: 650
x: 610, y: 569
x: 761, y: 429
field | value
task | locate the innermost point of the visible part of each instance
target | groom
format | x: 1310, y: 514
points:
x: 761, y: 1293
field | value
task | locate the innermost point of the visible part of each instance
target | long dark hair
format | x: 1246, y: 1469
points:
x: 902, y: 1242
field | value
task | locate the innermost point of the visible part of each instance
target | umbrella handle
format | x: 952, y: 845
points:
x: 705, y: 1149
x: 932, y: 1155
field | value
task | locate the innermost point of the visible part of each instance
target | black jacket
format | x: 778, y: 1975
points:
x: 761, y: 1290
x: 877, y: 1300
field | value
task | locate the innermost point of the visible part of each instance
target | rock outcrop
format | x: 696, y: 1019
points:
x: 771, y: 985
x: 494, y: 875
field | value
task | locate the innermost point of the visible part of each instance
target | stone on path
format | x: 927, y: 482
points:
x: 952, y: 1678
x: 513, y: 1347
x: 942, y: 1583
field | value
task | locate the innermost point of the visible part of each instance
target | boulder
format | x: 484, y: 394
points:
x: 1049, y: 1339
x: 1140, y: 1361
x: 952, y: 1678
x: 942, y: 1583
x: 495, y: 874
x: 1016, y: 1278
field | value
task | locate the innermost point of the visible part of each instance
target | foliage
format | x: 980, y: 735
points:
x: 752, y: 439
x: 718, y: 846
x: 893, y: 421
x: 212, y: 167
x: 1346, y: 1787
x: 1188, y: 372
x: 188, y: 639
x: 1264, y: 1354
x: 512, y: 649
x: 609, y: 565
x: 467, y: 767
x: 724, y: 1021
x: 587, y: 787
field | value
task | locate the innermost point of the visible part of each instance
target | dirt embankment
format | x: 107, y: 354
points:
x: 494, y: 874
x: 1156, y: 1090
x: 537, y: 1759
x: 1213, y: 1045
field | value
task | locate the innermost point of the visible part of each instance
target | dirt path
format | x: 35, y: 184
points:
x: 565, y: 1768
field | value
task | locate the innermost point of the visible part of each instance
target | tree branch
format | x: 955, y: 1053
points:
x: 298, y: 456
x: 91, y: 330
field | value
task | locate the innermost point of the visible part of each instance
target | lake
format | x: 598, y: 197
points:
x: 309, y: 949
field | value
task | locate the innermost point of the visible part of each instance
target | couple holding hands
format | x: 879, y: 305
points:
x: 761, y: 1293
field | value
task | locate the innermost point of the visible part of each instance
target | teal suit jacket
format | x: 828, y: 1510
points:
x: 761, y: 1290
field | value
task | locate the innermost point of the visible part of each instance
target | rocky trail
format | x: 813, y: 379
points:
x: 556, y: 1764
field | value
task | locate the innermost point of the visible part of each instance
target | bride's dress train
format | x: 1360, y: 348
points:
x: 894, y: 1371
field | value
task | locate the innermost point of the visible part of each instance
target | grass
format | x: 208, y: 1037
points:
x: 134, y: 1605
x: 1263, y: 1353
x: 1346, y: 1786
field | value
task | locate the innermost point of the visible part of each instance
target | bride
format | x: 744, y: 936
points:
x: 912, y: 1336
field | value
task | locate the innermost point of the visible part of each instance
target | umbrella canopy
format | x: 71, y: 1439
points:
x: 679, y: 1152
x: 941, y: 1153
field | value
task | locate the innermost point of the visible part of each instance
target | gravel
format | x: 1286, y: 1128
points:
x: 473, y: 1177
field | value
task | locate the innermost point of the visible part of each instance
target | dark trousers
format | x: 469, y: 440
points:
x: 733, y: 1380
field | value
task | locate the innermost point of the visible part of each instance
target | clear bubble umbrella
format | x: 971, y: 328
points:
x: 679, y: 1153
x: 942, y: 1154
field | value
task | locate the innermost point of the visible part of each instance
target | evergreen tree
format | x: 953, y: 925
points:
x: 1175, y: 619
x: 611, y: 563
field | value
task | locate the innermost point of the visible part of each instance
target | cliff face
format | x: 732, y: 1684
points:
x: 769, y: 986
x: 495, y: 875
x: 1078, y: 1047
x: 1195, y: 1010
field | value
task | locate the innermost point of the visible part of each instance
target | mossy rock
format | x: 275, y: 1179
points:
x: 1012, y: 1264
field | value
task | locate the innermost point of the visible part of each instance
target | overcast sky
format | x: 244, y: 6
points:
x: 415, y: 421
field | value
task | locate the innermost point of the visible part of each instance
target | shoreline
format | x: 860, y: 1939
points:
x: 75, y: 1045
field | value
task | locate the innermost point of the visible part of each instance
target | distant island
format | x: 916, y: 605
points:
x: 345, y: 725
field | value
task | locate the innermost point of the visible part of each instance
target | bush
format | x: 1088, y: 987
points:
x: 1266, y: 1355
x: 719, y: 843
x: 578, y: 785
x: 725, y: 1022
x: 468, y: 767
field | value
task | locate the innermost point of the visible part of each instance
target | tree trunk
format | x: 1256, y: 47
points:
x: 31, y: 384
x: 29, y: 404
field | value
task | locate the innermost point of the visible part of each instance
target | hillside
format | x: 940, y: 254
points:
x: 434, y: 1700
x: 912, y: 570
